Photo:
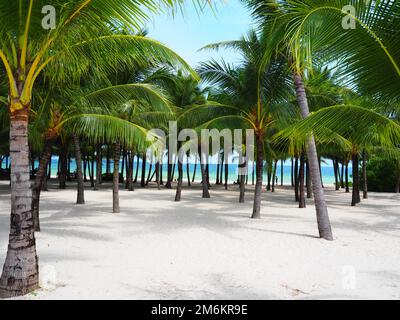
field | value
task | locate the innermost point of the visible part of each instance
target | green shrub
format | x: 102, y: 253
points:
x: 381, y: 174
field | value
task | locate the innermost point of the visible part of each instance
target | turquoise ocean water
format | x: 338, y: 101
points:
x: 327, y: 171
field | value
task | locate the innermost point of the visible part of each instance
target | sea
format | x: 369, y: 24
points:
x: 328, y: 177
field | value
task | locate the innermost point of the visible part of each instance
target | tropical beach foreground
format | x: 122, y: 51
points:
x: 209, y: 248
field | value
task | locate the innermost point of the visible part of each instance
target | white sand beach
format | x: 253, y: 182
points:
x: 209, y: 248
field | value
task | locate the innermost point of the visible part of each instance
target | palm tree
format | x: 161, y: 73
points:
x: 83, y: 33
x: 255, y: 91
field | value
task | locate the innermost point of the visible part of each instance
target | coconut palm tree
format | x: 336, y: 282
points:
x: 256, y: 92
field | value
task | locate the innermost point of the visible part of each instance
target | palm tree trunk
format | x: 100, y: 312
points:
x: 206, y: 192
x: 188, y: 171
x: 37, y: 185
x: 137, y: 168
x: 320, y: 172
x: 79, y: 174
x: 242, y: 180
x: 129, y: 174
x: 259, y: 178
x: 158, y: 174
x: 282, y: 162
x: 161, y: 173
x: 308, y: 181
x: 45, y: 178
x: 143, y: 177
x: 347, y: 177
x: 324, y: 225
x: 356, y: 182
x: 252, y: 174
x: 69, y: 168
x: 63, y: 167
x: 274, y: 177
x: 336, y: 171
x: 84, y: 167
x: 217, y: 178
x: 180, y: 178
x: 242, y: 188
x: 296, y: 179
x: 20, y: 271
x: 195, y: 169
x: 117, y: 155
x: 226, y: 174
x: 302, y: 198
x: 365, y: 179
x: 123, y: 165
x: 108, y: 161
x: 342, y: 176
x: 220, y: 167
x: 92, y: 170
x: 292, y: 171
x: 99, y: 165
x: 168, y: 185
x: 269, y: 175
x: 149, y: 176
x: 208, y: 175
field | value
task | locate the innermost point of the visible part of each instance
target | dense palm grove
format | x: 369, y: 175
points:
x: 92, y: 88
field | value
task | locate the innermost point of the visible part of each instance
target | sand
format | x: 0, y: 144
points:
x: 210, y: 249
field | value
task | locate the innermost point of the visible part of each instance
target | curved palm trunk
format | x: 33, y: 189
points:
x: 355, y: 199
x: 365, y: 179
x: 20, y: 271
x: 149, y: 175
x: 259, y: 178
x: 37, y: 185
x: 117, y: 153
x: 324, y: 225
x: 302, y: 198
x: 397, y: 189
x: 79, y: 174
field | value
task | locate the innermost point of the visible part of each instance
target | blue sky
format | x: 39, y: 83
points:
x: 187, y: 33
